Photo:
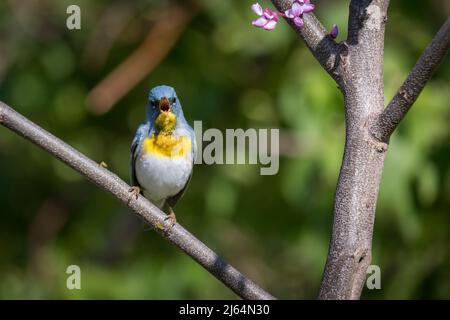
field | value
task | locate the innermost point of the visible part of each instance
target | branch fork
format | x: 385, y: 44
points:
x: 356, y: 65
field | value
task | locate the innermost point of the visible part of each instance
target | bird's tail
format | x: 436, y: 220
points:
x: 159, y: 203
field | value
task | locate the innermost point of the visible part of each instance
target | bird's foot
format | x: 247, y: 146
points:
x: 135, y: 191
x: 171, y: 217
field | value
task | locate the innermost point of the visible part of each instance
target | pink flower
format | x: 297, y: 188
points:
x: 299, y: 7
x: 268, y: 18
x: 334, y: 31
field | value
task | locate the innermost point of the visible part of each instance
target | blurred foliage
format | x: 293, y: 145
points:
x: 276, y: 228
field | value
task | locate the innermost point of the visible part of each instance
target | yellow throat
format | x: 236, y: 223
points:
x: 165, y: 122
x: 163, y: 143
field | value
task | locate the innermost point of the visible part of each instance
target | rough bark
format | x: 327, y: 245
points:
x: 362, y: 166
x: 357, y: 67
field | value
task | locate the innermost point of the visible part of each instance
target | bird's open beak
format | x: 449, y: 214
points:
x: 164, y: 105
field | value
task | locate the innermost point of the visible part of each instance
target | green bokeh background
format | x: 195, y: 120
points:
x: 275, y: 229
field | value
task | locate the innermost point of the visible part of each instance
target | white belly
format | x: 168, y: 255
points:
x: 162, y: 177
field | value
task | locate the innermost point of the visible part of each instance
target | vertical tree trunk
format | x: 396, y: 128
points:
x: 362, y: 166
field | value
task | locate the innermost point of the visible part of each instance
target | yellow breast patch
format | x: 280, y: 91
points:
x: 167, y: 146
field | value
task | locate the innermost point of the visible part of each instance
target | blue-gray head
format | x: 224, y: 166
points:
x: 163, y: 99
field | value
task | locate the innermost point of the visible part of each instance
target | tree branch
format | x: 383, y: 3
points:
x: 322, y: 46
x: 110, y: 182
x: 408, y: 93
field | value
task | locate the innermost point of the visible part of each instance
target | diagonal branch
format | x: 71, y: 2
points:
x: 322, y: 46
x: 412, y: 87
x: 108, y: 181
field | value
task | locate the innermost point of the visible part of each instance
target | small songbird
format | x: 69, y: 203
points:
x: 163, y: 151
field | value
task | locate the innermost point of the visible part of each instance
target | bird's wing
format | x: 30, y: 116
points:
x: 141, y: 133
x: 172, y: 201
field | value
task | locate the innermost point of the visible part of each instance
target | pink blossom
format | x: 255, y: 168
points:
x: 299, y: 7
x: 334, y: 31
x: 268, y: 18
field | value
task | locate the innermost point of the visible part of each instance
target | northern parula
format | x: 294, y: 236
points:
x: 163, y: 151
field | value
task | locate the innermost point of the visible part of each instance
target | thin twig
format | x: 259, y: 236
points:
x: 316, y: 37
x: 110, y: 182
x: 408, y: 93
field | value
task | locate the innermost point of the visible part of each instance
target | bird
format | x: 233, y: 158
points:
x: 163, y: 152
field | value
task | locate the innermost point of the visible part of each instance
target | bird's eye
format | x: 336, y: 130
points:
x: 153, y: 103
x: 174, y: 100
